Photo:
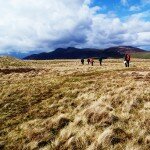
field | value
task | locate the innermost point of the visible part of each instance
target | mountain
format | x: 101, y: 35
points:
x: 68, y: 53
x: 76, y: 53
x: 124, y: 49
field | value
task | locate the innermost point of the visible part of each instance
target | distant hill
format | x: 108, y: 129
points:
x: 76, y: 53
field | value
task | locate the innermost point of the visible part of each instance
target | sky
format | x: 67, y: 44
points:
x: 33, y: 26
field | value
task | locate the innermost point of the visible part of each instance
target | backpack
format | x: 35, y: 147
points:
x: 127, y: 57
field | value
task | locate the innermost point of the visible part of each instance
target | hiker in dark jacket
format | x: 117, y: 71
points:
x: 82, y: 61
x: 100, y: 61
x: 88, y: 61
x: 127, y: 60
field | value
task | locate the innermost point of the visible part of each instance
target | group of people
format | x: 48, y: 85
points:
x: 91, y: 60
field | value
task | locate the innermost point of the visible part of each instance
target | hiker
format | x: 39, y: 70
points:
x: 92, y: 61
x: 88, y: 61
x: 82, y: 61
x: 100, y: 61
x: 127, y: 60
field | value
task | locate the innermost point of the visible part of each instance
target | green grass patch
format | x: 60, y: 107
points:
x: 145, y: 55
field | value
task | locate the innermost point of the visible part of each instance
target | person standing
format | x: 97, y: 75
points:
x: 92, y: 61
x: 88, y: 61
x: 82, y: 61
x: 100, y: 61
x: 127, y: 60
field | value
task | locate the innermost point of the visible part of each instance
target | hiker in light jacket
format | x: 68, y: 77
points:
x: 92, y: 61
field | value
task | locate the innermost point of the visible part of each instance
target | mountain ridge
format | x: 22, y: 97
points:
x: 78, y: 53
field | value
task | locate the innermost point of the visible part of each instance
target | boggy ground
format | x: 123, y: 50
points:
x: 62, y: 105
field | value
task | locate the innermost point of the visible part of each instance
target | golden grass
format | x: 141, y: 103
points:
x: 62, y: 105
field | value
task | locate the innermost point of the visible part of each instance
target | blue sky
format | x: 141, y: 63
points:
x: 122, y: 8
x: 33, y: 26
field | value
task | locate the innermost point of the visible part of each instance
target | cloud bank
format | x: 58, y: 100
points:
x: 45, y: 25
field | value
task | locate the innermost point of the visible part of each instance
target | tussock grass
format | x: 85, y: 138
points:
x: 62, y: 105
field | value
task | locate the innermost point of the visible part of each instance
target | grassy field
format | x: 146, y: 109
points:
x: 62, y: 105
x: 142, y: 55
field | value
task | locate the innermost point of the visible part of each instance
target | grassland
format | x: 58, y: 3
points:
x: 142, y: 55
x: 62, y: 105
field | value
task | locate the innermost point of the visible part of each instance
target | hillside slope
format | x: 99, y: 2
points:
x: 62, y: 105
x: 141, y: 55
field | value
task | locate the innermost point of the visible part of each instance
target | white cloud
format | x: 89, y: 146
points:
x: 146, y: 1
x: 44, y: 25
x: 26, y: 24
x: 111, y: 31
x: 135, y: 8
x: 124, y: 2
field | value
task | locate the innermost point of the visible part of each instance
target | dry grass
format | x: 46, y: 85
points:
x: 62, y: 105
